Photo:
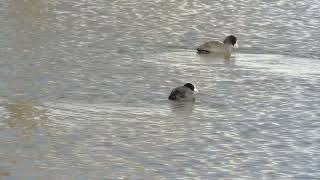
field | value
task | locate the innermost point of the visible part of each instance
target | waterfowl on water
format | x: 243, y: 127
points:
x: 183, y: 93
x: 216, y: 47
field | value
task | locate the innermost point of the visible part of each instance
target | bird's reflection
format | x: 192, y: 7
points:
x: 184, y: 108
x: 217, y: 59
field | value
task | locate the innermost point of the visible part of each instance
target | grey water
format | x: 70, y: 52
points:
x: 84, y: 87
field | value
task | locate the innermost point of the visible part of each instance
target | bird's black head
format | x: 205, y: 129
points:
x: 189, y: 85
x: 230, y: 40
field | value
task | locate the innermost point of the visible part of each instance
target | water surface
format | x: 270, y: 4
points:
x: 84, y: 89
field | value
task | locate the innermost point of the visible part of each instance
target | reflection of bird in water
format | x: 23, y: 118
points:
x: 216, y: 59
x: 25, y: 117
x: 182, y: 107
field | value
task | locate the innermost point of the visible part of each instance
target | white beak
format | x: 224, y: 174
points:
x: 236, y: 45
x: 196, y: 91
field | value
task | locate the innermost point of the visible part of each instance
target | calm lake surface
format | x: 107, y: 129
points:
x: 84, y: 87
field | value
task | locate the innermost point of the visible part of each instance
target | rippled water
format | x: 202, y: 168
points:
x: 84, y: 88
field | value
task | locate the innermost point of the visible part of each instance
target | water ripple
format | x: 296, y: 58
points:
x: 84, y: 88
